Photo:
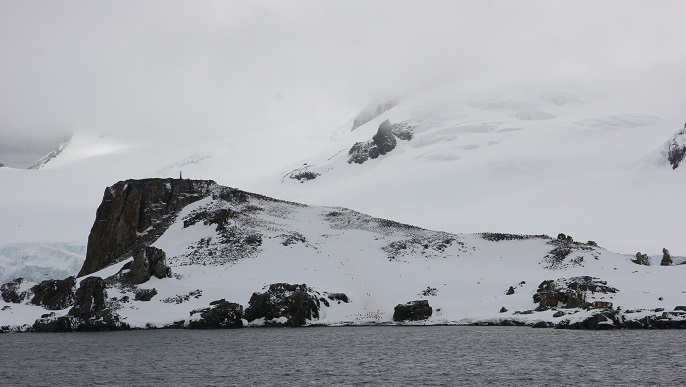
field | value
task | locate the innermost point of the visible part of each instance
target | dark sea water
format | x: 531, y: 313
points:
x: 347, y: 356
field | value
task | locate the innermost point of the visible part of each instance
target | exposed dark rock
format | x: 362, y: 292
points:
x: 90, y: 312
x: 543, y: 324
x: 412, y: 311
x: 503, y: 309
x: 381, y: 143
x: 666, y: 258
x: 340, y: 297
x: 359, y: 153
x: 559, y: 313
x: 10, y: 291
x: 680, y: 307
x: 89, y: 300
x: 601, y: 320
x: 429, y: 292
x: 497, y: 237
x: 303, y: 176
x: 569, y: 292
x: 295, y: 303
x: 54, y: 294
x: 134, y: 213
x: 2, y: 165
x: 676, y: 148
x: 145, y: 294
x: 641, y: 259
x: 562, y: 255
x: 140, y: 268
x: 510, y: 291
x: 55, y: 324
x: 384, y: 139
x: 220, y: 315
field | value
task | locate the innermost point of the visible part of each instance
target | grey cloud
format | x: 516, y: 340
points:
x: 221, y: 67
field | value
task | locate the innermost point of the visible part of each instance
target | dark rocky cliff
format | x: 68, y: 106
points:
x: 134, y: 213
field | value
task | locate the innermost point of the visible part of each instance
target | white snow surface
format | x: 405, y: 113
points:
x: 529, y: 162
x: 339, y: 250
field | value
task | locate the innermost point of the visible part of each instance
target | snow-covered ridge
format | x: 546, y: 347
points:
x: 232, y: 244
x: 51, y: 155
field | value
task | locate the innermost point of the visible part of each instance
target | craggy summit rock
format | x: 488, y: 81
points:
x: 134, y: 213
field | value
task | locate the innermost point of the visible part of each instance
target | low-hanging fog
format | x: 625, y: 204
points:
x: 208, y: 68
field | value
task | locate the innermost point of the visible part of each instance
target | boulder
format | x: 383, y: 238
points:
x: 569, y: 292
x: 294, y: 305
x: 600, y: 320
x: 10, y: 291
x: 54, y: 294
x: 412, y: 311
x: 676, y: 148
x: 384, y: 139
x: 145, y: 294
x: 134, y: 213
x: 340, y: 297
x: 666, y: 258
x: 90, y: 299
x: 220, y: 315
x: 147, y: 262
x: 90, y: 313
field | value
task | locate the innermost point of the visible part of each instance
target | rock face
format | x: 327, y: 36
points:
x: 412, y: 311
x: 569, y: 292
x: 666, y: 258
x: 134, y: 213
x: 220, y: 315
x: 601, y: 320
x: 284, y: 304
x: 147, y: 262
x: 54, y: 294
x: 90, y: 312
x: 676, y: 148
x: 10, y: 291
x: 145, y: 294
x: 381, y: 143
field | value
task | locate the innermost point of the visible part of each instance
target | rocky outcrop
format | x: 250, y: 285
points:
x: 412, y: 311
x: 675, y: 148
x: 54, y: 294
x: 11, y: 291
x: 666, y: 258
x: 220, y: 315
x: 599, y: 320
x: 147, y: 262
x: 90, y: 312
x: 381, y: 143
x: 569, y: 292
x: 145, y: 294
x: 134, y: 213
x: 284, y: 304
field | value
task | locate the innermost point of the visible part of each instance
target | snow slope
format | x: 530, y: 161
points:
x: 529, y: 162
x: 376, y: 262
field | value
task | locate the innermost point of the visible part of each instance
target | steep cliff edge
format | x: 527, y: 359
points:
x: 134, y: 213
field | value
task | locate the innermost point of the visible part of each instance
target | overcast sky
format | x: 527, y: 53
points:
x: 208, y: 68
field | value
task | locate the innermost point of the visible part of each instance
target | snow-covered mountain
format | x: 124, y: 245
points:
x: 523, y: 162
x: 293, y: 264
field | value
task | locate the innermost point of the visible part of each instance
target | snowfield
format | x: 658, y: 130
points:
x: 377, y: 263
x: 539, y: 162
